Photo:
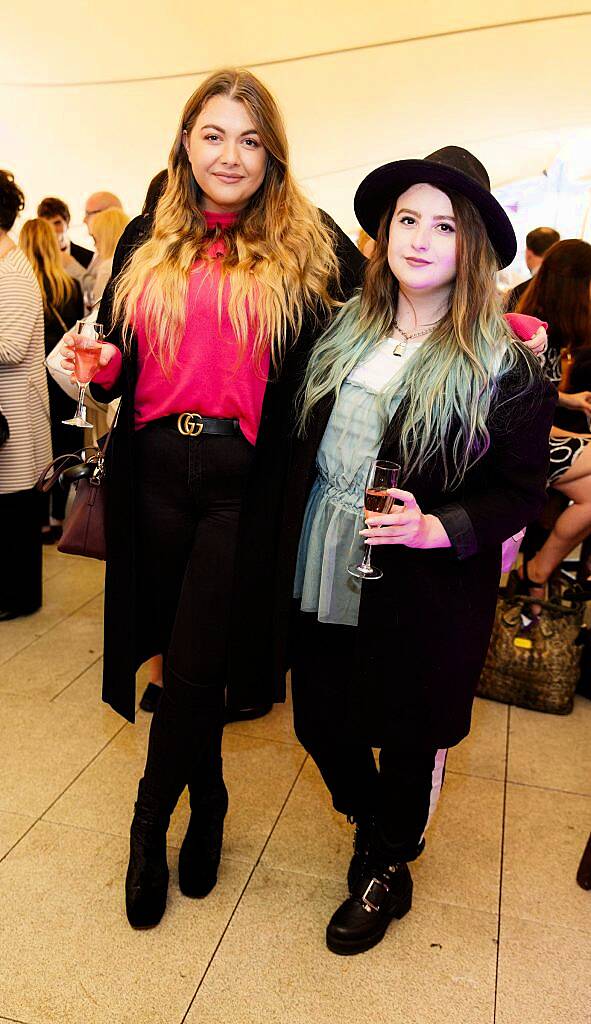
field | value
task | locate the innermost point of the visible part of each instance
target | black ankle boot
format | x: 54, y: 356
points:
x: 146, y: 884
x: 382, y: 892
x: 200, y: 854
x: 363, y: 828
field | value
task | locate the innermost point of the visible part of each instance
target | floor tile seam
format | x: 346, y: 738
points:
x: 76, y: 678
x: 502, y: 861
x: 337, y: 880
x: 474, y: 775
x: 16, y: 843
x: 232, y: 858
x: 18, y: 814
x: 243, y: 891
x: 562, y: 926
x: 46, y: 632
x: 548, y: 789
x: 13, y: 1020
x: 60, y: 795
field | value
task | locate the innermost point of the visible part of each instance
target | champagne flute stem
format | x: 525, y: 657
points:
x: 366, y: 563
x: 81, y: 396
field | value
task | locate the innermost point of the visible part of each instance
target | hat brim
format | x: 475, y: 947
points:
x: 380, y: 188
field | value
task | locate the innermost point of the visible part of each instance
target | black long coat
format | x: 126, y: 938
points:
x: 131, y: 633
x: 424, y: 628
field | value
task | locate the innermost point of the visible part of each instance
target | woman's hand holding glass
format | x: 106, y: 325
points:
x: 407, y: 525
x: 87, y: 345
x: 67, y: 352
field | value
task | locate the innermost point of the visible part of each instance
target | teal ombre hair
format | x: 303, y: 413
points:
x: 446, y: 389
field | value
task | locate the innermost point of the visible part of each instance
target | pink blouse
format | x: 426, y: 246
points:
x: 210, y: 375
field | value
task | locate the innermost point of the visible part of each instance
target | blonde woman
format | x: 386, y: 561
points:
x: 420, y: 369
x: 62, y: 306
x: 106, y: 230
x: 216, y: 304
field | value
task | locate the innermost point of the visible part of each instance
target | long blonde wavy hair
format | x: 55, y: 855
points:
x: 449, y: 383
x: 39, y: 243
x: 279, y: 258
x: 106, y: 229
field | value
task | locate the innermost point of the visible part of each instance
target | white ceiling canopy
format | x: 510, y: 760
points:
x: 90, y: 94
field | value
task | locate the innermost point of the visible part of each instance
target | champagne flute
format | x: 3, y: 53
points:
x: 381, y: 477
x: 86, y: 363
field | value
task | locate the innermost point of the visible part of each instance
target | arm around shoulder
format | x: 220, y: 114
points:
x: 352, y: 262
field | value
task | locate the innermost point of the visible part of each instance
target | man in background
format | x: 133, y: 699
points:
x: 537, y: 243
x: 75, y: 258
x: 96, y: 203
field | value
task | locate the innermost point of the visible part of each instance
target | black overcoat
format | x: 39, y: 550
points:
x: 424, y: 628
x: 131, y: 634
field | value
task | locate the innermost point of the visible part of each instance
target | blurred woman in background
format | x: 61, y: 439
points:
x: 62, y: 307
x: 25, y: 403
x: 560, y: 293
x: 106, y: 230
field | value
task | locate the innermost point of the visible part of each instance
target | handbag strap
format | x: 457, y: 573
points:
x: 58, y: 317
x: 103, y: 450
x: 50, y: 475
x: 557, y: 606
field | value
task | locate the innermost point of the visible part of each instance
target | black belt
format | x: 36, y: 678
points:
x: 191, y: 424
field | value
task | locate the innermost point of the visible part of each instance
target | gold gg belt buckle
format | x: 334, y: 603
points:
x: 188, y: 424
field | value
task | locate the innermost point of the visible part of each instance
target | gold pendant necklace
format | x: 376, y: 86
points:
x: 400, y: 347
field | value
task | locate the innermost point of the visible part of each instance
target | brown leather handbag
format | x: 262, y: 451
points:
x: 84, y: 528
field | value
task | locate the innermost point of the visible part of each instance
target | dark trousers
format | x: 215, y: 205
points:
x: 402, y: 791
x: 20, y: 551
x: 188, y: 506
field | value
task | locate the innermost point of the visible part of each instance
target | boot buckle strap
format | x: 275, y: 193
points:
x: 369, y: 894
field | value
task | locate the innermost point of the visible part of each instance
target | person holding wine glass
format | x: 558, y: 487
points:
x: 419, y: 375
x: 212, y: 308
x: 87, y: 348
x: 62, y: 306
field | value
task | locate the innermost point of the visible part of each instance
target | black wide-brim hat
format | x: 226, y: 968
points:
x: 451, y: 167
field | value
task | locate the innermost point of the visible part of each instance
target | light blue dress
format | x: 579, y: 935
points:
x: 334, y: 514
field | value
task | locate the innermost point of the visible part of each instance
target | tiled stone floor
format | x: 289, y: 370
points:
x: 499, y: 931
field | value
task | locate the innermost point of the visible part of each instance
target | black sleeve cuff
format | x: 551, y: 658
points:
x: 459, y: 529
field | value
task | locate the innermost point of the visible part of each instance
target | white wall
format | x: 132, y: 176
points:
x: 513, y: 94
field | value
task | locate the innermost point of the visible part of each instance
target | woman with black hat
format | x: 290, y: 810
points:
x: 420, y: 369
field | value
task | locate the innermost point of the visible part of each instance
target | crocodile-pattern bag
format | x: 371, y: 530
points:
x: 534, y: 662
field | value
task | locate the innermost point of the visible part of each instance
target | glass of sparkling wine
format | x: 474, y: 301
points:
x: 381, y: 477
x: 87, y: 351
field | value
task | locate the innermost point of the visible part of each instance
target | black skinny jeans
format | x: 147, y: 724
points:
x: 403, y: 792
x: 188, y: 506
x: 20, y: 551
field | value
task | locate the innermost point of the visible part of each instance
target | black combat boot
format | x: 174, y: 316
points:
x: 146, y: 884
x: 381, y: 892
